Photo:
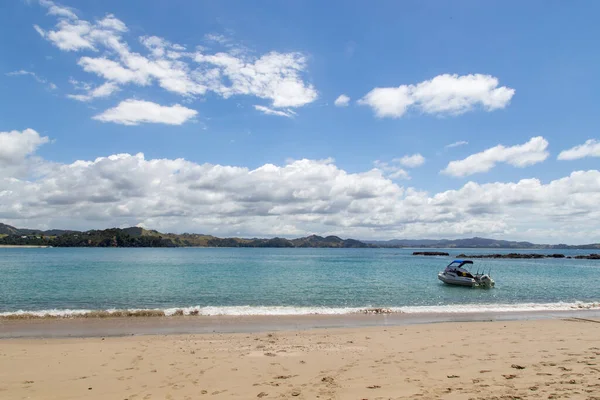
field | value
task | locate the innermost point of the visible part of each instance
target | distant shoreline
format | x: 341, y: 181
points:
x: 22, y: 246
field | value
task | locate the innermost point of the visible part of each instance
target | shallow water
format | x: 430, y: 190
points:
x: 257, y: 281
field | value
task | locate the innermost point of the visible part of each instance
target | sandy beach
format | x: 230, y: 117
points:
x: 558, y: 358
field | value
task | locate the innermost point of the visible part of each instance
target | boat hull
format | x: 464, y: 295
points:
x: 459, y: 281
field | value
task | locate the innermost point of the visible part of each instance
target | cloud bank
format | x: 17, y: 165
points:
x: 296, y: 198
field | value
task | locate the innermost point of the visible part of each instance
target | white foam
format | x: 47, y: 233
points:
x: 290, y: 310
x: 43, y: 313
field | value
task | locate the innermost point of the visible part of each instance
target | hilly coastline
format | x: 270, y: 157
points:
x: 474, y: 243
x: 140, y: 237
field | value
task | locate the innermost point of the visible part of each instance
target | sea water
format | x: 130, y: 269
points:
x: 265, y: 281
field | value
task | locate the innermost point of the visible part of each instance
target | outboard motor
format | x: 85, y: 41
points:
x: 486, y: 281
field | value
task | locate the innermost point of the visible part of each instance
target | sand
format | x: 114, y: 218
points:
x: 557, y: 358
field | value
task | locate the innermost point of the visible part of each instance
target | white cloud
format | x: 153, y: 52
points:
x: 111, y: 23
x: 35, y: 76
x: 532, y: 152
x: 134, y: 112
x: 215, y: 37
x: 23, y: 73
x: 342, y: 101
x: 39, y: 30
x: 412, y: 161
x: 399, y: 173
x: 297, y: 198
x: 274, y: 76
x: 113, y: 71
x: 15, y: 146
x: 103, y: 90
x: 591, y: 148
x: 391, y: 170
x: 57, y: 10
x: 457, y: 144
x: 443, y: 95
x: 266, y: 110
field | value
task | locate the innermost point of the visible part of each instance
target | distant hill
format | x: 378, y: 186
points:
x: 11, y: 230
x: 8, y: 230
x: 139, y: 237
x: 475, y: 243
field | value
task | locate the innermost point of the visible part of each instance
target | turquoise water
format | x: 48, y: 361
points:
x: 281, y: 281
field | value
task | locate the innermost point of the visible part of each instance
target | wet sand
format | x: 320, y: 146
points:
x: 556, y: 358
x: 125, y: 326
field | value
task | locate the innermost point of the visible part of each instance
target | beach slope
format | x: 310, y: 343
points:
x: 557, y: 358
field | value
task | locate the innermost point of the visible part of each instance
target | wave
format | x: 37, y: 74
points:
x: 291, y: 310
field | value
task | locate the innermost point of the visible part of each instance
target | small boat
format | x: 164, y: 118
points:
x: 456, y: 273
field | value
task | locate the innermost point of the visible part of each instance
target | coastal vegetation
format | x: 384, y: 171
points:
x: 139, y: 237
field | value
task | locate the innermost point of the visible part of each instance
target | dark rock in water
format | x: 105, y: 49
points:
x: 430, y: 253
x: 590, y: 257
x: 512, y: 256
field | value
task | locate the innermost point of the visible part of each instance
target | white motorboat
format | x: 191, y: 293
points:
x: 456, y: 273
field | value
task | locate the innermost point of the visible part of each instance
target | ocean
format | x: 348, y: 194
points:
x: 264, y: 281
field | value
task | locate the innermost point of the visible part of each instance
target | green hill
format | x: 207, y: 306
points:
x: 140, y: 237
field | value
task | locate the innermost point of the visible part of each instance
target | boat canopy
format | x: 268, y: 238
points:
x: 459, y: 262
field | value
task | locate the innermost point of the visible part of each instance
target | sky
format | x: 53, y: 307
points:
x: 415, y: 119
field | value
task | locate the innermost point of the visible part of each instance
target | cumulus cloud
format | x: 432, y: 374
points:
x: 277, y: 77
x: 532, y: 152
x: 269, y: 111
x: 412, y: 161
x: 134, y: 112
x: 591, y: 148
x: 443, y: 95
x: 457, y: 144
x: 342, y: 101
x: 15, y: 146
x: 296, y: 198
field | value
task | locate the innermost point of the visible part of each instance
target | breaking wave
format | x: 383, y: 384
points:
x: 291, y: 310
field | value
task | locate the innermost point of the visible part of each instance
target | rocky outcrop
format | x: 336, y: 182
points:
x: 430, y: 253
x: 528, y: 256
x: 509, y: 255
x: 589, y: 257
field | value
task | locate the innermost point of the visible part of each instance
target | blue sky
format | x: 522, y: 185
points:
x: 484, y: 73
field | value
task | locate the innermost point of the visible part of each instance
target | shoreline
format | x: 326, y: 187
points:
x: 45, y: 328
x: 23, y: 246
